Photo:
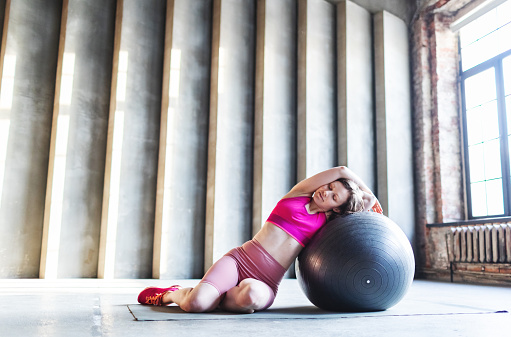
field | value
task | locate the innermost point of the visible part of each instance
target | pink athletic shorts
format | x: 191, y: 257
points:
x: 250, y: 260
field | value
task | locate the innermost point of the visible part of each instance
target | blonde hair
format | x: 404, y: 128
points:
x: 355, y: 202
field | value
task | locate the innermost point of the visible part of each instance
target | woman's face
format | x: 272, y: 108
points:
x: 331, y: 196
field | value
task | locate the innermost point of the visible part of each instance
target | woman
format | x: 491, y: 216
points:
x: 246, y: 279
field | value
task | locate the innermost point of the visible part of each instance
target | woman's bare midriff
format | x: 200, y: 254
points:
x: 282, y: 246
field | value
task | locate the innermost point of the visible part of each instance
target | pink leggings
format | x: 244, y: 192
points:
x: 250, y: 260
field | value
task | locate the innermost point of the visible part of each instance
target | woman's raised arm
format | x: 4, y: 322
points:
x: 311, y: 184
x: 308, y: 186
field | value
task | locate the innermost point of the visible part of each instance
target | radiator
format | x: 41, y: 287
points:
x: 489, y: 243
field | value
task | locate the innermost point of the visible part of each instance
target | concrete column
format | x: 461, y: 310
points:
x: 393, y: 121
x: 317, y: 122
x: 355, y: 117
x: 182, y: 172
x: 230, y: 163
x: 135, y: 138
x: 75, y: 189
x: 108, y: 234
x: 275, y: 106
x: 29, y: 58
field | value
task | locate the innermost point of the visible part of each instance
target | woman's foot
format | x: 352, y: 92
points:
x: 154, y: 296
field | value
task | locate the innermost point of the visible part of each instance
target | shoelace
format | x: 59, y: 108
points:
x: 154, y: 300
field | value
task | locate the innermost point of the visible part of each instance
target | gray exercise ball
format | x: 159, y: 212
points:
x: 356, y: 263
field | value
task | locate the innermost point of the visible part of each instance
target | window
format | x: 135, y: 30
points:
x: 485, y: 65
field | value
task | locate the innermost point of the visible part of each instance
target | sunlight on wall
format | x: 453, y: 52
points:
x: 113, y: 201
x: 115, y: 169
x: 6, y: 93
x: 122, y: 76
x: 57, y: 196
x: 167, y: 191
x: 175, y: 73
x: 221, y: 69
x: 66, y: 84
x: 59, y: 165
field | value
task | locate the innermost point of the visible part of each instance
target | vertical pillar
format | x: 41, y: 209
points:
x: 446, y: 121
x: 29, y: 56
x: 51, y: 233
x: 422, y: 142
x: 317, y: 122
x: 230, y: 164
x: 275, y: 106
x: 134, y: 153
x: 355, y: 117
x: 393, y: 121
x: 76, y: 186
x: 108, y: 234
x: 182, y: 171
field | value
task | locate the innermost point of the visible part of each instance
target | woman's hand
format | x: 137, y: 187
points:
x: 369, y: 201
x: 377, y: 207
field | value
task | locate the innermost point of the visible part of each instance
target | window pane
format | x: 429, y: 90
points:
x: 478, y: 28
x: 490, y: 120
x: 475, y: 133
x: 504, y: 41
x: 480, y: 88
x: 508, y: 114
x: 478, y: 198
x: 486, y: 39
x: 476, y: 160
x: 480, y: 51
x: 506, y: 64
x: 492, y: 166
x: 504, y: 13
x: 483, y: 123
x: 494, y: 197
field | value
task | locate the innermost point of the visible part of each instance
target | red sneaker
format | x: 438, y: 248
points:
x: 154, y: 296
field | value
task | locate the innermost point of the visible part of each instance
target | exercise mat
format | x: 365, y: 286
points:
x: 404, y: 308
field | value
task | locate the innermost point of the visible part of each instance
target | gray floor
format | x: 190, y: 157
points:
x: 99, y: 308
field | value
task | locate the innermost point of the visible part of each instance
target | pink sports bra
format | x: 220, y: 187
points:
x: 291, y: 216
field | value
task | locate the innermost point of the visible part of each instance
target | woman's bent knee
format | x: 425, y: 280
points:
x: 253, y: 294
x: 203, y: 298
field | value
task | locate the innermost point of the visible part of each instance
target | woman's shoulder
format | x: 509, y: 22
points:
x: 300, y: 197
x: 294, y: 194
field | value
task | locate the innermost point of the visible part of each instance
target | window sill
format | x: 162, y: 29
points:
x: 471, y: 222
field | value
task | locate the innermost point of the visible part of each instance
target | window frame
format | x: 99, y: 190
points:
x: 496, y: 63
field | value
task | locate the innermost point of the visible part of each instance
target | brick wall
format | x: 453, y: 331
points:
x: 437, y: 131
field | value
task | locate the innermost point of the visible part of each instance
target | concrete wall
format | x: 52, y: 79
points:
x: 393, y: 121
x: 88, y: 107
x: 230, y: 158
x: 275, y: 107
x: 317, y: 123
x: 29, y: 53
x: 138, y: 112
x: 146, y: 139
x: 355, y: 83
x: 403, y: 9
x: 184, y: 136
